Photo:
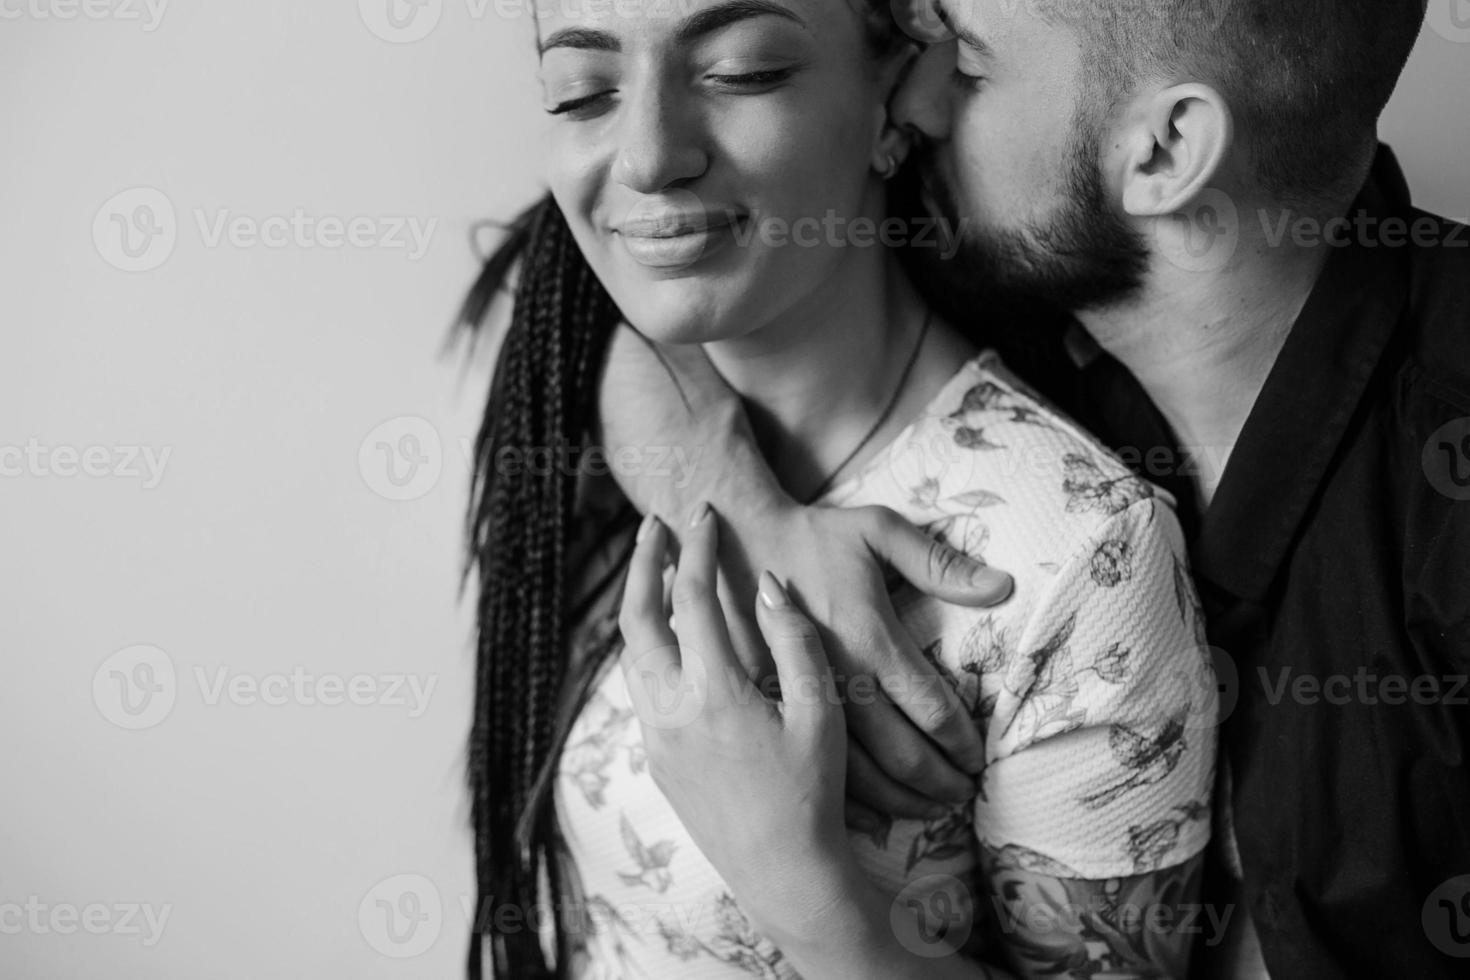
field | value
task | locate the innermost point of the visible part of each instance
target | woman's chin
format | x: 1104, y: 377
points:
x: 685, y: 322
x: 681, y: 332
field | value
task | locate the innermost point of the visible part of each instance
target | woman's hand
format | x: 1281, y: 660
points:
x: 755, y: 777
x: 912, y: 752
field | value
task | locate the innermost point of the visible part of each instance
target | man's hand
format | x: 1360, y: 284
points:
x: 912, y: 745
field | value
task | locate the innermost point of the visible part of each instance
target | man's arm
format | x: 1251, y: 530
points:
x: 671, y: 415
x: 1138, y: 926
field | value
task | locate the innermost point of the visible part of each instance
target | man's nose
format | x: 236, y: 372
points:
x: 659, y: 144
x: 923, y: 101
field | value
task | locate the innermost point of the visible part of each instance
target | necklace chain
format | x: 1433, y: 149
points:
x: 882, y: 418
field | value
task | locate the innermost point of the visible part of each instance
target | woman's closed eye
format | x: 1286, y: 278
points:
x: 752, y: 82
x: 966, y: 81
x: 758, y: 79
x: 581, y: 105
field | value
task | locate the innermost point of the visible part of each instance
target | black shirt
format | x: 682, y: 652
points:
x: 1334, y: 562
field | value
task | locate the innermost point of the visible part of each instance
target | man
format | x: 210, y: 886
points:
x: 1273, y: 332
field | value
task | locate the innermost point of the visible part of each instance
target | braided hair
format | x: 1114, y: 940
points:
x: 520, y: 519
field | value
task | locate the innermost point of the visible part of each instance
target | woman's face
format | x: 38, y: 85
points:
x: 711, y: 155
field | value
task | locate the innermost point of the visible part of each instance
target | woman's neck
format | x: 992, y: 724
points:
x: 816, y: 379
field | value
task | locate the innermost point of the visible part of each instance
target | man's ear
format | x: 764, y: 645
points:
x: 1173, y: 145
x: 892, y: 142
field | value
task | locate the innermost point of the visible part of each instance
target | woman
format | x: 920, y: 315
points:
x: 713, y: 169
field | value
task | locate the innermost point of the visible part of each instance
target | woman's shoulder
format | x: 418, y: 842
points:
x: 997, y: 471
x: 989, y: 442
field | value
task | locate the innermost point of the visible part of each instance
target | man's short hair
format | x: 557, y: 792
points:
x: 1305, y: 79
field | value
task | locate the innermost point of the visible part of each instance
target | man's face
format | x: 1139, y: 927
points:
x: 1011, y: 155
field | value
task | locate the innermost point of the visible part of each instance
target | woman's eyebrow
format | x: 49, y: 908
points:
x: 693, y: 27
x: 711, y: 19
x: 582, y: 38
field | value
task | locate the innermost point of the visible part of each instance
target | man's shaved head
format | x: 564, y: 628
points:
x: 1306, y: 80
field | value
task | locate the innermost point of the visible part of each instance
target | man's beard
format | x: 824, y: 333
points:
x: 1082, y: 257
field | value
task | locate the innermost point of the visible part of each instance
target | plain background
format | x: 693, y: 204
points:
x: 282, y: 379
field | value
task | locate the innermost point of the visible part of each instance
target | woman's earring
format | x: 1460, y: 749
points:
x: 889, y: 168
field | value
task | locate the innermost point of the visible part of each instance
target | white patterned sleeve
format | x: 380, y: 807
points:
x: 1102, y: 731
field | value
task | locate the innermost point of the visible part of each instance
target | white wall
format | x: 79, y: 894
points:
x: 270, y: 541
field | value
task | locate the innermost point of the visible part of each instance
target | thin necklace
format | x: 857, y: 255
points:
x: 892, y: 404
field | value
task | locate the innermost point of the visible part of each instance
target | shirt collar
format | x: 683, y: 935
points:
x: 1299, y: 420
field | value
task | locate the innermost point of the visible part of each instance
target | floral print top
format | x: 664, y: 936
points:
x: 1091, y: 686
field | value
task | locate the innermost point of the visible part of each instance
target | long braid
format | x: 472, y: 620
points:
x: 542, y: 399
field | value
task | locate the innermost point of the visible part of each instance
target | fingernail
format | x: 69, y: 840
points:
x: 771, y: 592
x: 649, y: 520
x: 986, y: 577
x: 700, y: 513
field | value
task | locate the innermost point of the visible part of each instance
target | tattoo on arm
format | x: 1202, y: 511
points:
x: 1053, y: 924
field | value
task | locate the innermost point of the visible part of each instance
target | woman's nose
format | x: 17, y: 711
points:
x: 659, y: 144
x: 923, y: 101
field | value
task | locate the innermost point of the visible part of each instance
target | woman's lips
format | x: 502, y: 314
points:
x: 674, y: 240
